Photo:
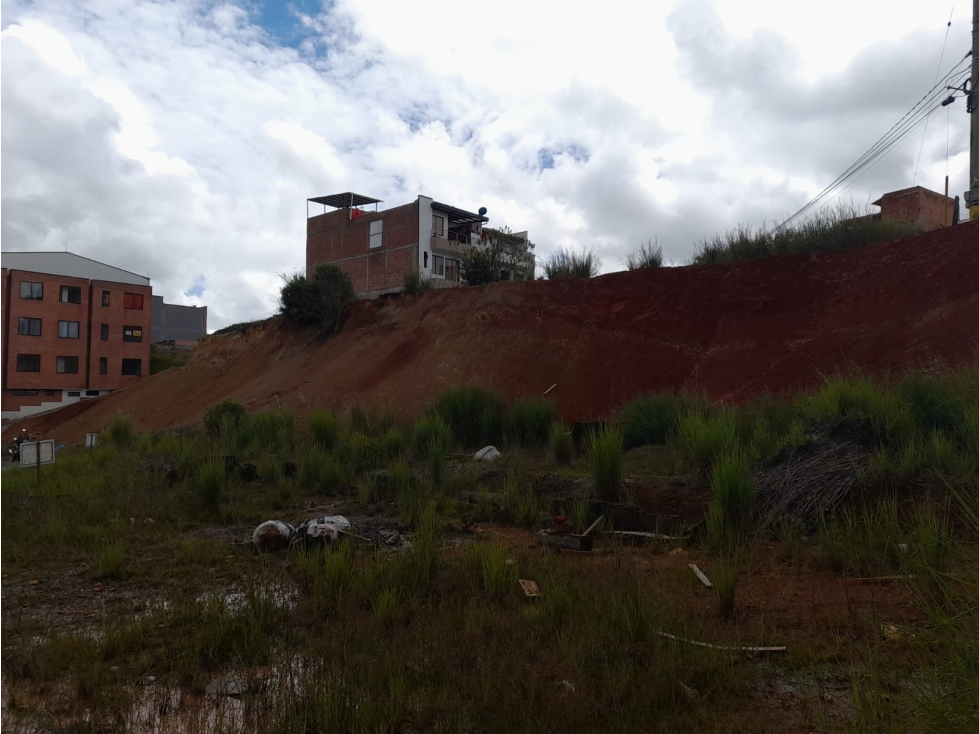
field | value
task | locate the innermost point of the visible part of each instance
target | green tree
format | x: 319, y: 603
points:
x: 317, y: 300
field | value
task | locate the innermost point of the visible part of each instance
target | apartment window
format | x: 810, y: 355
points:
x: 28, y: 327
x: 438, y: 266
x: 104, y: 333
x: 50, y: 393
x: 91, y: 393
x: 103, y: 365
x: 105, y: 298
x: 67, y: 366
x: 133, y: 301
x: 132, y: 333
x: 32, y: 291
x: 28, y: 362
x: 24, y: 393
x: 132, y: 366
x: 74, y: 394
x: 377, y: 232
x: 452, y: 270
x: 438, y: 225
x: 68, y: 329
x: 71, y: 294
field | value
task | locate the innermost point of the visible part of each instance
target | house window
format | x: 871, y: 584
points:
x: 67, y: 366
x: 132, y: 366
x: 74, y: 394
x: 452, y: 270
x: 71, y: 294
x: 438, y: 266
x: 132, y: 333
x: 104, y: 333
x: 31, y: 291
x: 103, y: 365
x: 133, y: 301
x: 105, y: 298
x: 426, y: 259
x: 24, y: 393
x: 438, y: 225
x: 28, y: 362
x: 91, y: 393
x: 68, y: 329
x: 50, y: 393
x: 28, y: 327
x: 377, y: 230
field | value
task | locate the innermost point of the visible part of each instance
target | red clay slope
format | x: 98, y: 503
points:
x: 732, y: 330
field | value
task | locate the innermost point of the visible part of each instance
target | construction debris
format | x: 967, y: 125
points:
x: 566, y: 541
x: 273, y: 535
x: 530, y: 588
x: 322, y: 529
x: 700, y: 575
x: 728, y: 648
x: 487, y: 453
x: 635, y: 536
x: 809, y: 481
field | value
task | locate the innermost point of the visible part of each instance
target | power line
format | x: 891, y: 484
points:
x: 937, y: 72
x: 916, y: 115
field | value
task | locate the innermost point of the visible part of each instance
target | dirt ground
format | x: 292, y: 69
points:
x: 733, y: 331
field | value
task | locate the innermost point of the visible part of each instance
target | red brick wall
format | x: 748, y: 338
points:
x: 927, y: 209
x: 87, y: 347
x: 115, y: 350
x: 336, y: 238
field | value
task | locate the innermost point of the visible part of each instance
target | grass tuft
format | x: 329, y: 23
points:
x: 532, y: 420
x: 562, y: 444
x: 121, y: 431
x: 324, y: 428
x: 605, y: 458
x: 702, y: 440
x: 475, y: 415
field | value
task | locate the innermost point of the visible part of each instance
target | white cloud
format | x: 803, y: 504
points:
x: 180, y: 139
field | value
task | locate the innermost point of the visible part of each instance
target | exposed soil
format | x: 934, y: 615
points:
x: 733, y: 331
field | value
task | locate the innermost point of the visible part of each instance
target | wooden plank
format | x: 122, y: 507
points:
x: 593, y: 526
x: 728, y: 648
x: 700, y: 575
x: 550, y: 388
x: 530, y: 588
x: 637, y: 536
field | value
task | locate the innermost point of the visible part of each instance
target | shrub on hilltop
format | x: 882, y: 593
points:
x: 318, y: 299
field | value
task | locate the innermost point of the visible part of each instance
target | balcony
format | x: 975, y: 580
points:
x: 454, y: 243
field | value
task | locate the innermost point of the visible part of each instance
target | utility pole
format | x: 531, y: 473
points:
x: 972, y: 103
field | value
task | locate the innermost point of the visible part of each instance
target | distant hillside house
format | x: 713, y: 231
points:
x: 920, y: 207
x: 376, y: 248
x: 73, y: 328
x: 178, y: 324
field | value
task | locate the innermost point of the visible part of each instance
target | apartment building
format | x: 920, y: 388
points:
x: 376, y: 248
x: 73, y: 328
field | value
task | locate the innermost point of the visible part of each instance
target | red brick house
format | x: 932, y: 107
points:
x: 919, y: 206
x: 73, y: 328
x: 376, y: 248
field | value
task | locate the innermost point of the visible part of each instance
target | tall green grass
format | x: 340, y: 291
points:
x: 702, y: 440
x: 605, y: 459
x: 324, y: 429
x: 532, y: 420
x: 839, y: 228
x: 653, y: 418
x: 476, y: 415
x: 561, y: 444
x: 730, y: 509
x: 121, y: 431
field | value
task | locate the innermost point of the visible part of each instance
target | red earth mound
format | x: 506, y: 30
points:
x: 732, y: 331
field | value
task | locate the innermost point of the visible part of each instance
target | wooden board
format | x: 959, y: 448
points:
x: 700, y: 575
x: 530, y: 589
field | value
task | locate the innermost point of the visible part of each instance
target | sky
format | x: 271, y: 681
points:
x: 181, y: 139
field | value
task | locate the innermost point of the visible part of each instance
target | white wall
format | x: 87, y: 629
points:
x: 56, y: 401
x: 424, y: 235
